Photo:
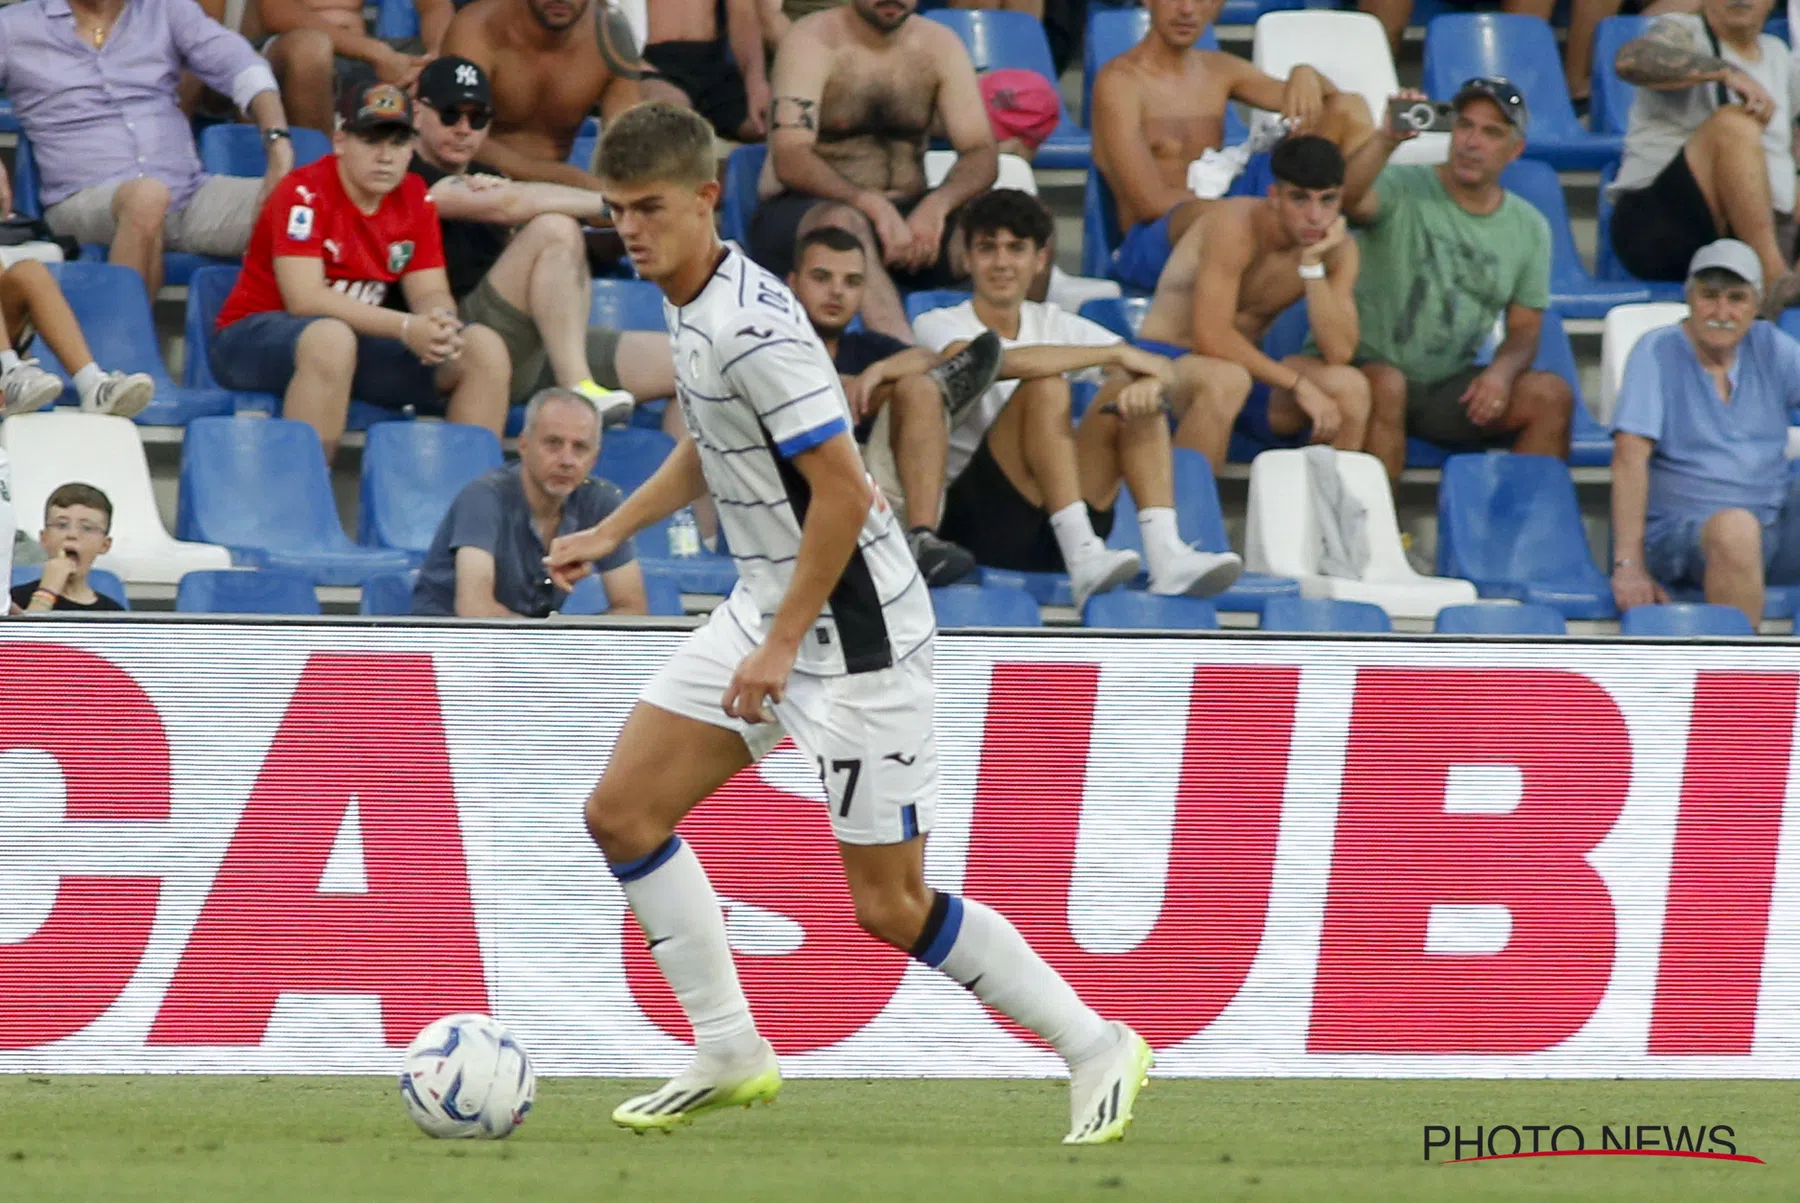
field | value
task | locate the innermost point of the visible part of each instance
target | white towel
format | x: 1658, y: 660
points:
x: 1343, y: 522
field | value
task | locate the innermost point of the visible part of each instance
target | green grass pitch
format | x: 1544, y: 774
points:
x: 324, y: 1140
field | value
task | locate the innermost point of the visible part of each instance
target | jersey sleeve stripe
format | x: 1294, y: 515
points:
x: 806, y: 440
x: 761, y: 346
x: 769, y: 413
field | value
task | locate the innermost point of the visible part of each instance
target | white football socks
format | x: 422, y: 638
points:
x: 1075, y: 533
x: 87, y: 380
x: 1162, y: 537
x: 979, y: 949
x: 681, y: 919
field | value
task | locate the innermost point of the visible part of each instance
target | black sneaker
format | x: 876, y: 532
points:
x: 941, y: 562
x: 966, y: 375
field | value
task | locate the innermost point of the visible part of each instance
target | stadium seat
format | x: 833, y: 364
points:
x: 1461, y: 46
x: 1014, y: 172
x: 1324, y: 614
x: 245, y: 591
x: 998, y: 39
x: 984, y: 606
x: 235, y: 149
x: 387, y: 594
x: 260, y: 487
x: 1282, y: 537
x: 1351, y: 50
x: 99, y: 580
x: 1609, y: 108
x: 1201, y: 524
x: 738, y: 199
x: 1512, y: 525
x: 927, y: 299
x: 664, y: 595
x: 629, y: 455
x: 51, y: 449
x: 411, y: 472
x: 589, y: 597
x: 1574, y: 292
x: 626, y: 305
x: 1124, y: 316
x: 1590, y: 444
x: 1100, y: 233
x: 704, y: 572
x: 1128, y: 609
x: 1606, y: 262
x: 1623, y: 327
x: 396, y: 19
x: 1500, y: 618
x: 9, y: 116
x: 1680, y: 620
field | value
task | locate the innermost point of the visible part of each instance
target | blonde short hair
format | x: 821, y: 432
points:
x: 656, y: 142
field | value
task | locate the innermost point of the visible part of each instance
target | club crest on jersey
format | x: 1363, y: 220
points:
x: 300, y: 223
x: 399, y: 255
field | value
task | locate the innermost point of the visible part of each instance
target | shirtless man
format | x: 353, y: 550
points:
x: 551, y: 62
x: 1243, y: 262
x: 690, y: 67
x: 320, y: 45
x: 1161, y: 105
x: 858, y: 89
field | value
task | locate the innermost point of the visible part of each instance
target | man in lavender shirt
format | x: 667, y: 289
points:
x: 93, y: 82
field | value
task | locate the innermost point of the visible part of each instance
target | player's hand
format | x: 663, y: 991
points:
x: 572, y: 557
x: 1140, y: 362
x: 1141, y: 398
x: 1334, y: 237
x: 1396, y: 134
x: 1303, y: 100
x: 1754, y: 97
x: 1485, y: 398
x: 756, y: 95
x: 1632, y: 586
x: 761, y: 678
x: 1318, y: 405
x: 927, y: 225
x: 891, y: 230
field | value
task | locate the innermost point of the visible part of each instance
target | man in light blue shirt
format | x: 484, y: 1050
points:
x: 1701, y: 490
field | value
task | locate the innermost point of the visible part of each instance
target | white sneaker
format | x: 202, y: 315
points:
x: 28, y: 387
x: 615, y: 404
x: 1197, y: 573
x: 1104, y: 569
x: 705, y: 1085
x: 1103, y: 1088
x: 120, y: 395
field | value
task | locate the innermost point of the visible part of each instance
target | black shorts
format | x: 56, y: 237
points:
x: 713, y: 84
x: 1435, y: 413
x: 776, y: 224
x: 985, y: 513
x: 1657, y: 229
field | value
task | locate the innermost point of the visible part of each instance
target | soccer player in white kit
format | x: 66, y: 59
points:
x: 830, y: 627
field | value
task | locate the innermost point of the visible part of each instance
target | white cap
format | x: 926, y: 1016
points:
x: 1728, y: 254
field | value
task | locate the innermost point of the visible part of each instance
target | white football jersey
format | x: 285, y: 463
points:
x: 756, y: 388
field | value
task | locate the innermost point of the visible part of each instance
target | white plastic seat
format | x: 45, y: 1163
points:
x: 1282, y: 537
x: 52, y: 449
x: 1623, y: 326
x: 1014, y: 172
x: 1351, y: 50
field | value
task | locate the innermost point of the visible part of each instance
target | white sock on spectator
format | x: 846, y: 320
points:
x: 1075, y: 532
x: 681, y: 920
x: 88, y: 379
x: 9, y: 359
x: 1162, y: 537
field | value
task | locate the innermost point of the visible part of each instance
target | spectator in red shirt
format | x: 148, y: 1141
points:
x: 307, y: 318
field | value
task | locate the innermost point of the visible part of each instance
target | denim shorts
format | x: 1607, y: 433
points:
x: 1674, y: 554
x: 256, y: 354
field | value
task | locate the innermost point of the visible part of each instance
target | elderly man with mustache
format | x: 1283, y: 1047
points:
x: 1701, y: 492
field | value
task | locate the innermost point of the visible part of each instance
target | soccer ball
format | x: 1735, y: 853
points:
x: 466, y: 1077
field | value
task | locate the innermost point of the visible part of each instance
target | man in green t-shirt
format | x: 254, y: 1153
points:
x: 1447, y: 252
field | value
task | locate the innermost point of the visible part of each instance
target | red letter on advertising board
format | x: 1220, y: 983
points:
x: 838, y: 980
x: 107, y: 740
x: 1716, y: 929
x: 363, y: 727
x: 1399, y: 852
x: 1022, y: 841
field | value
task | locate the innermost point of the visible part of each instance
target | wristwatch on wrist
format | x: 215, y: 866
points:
x: 271, y: 136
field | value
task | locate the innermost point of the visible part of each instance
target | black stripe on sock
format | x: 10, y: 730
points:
x: 934, y: 923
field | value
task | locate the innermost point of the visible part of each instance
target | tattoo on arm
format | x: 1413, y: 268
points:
x: 793, y: 112
x: 1665, y: 57
x: 618, y: 44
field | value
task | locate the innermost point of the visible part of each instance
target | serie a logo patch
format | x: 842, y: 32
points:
x: 300, y: 223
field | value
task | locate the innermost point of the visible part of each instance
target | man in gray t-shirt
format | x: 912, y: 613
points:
x: 487, y: 559
x: 1708, y: 152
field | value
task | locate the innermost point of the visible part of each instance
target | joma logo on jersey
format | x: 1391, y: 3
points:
x: 753, y: 332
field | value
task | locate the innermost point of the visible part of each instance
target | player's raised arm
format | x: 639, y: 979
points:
x: 676, y: 483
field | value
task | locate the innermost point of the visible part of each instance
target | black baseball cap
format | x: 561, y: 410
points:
x: 453, y: 82
x: 1497, y: 88
x: 368, y: 108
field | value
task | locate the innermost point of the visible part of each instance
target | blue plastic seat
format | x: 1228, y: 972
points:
x: 411, y: 472
x: 1323, y: 614
x: 396, y: 19
x: 1779, y: 601
x: 234, y: 149
x: 115, y: 318
x: 1606, y: 262
x: 1609, y: 107
x: 626, y: 305
x: 388, y: 594
x: 703, y: 572
x: 1500, y: 618
x: 1100, y: 233
x: 101, y: 581
x: 1573, y: 289
x: 927, y: 299
x: 629, y: 456
x: 1128, y: 609
x: 239, y: 591
x: 738, y: 198
x: 1685, y: 620
x: 259, y: 486
x: 1124, y: 316
x: 1512, y: 525
x: 997, y: 39
x: 1461, y: 46
x: 1590, y: 444
x: 9, y: 116
x: 984, y: 606
x: 589, y: 597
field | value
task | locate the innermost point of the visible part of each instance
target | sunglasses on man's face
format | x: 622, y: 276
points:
x: 477, y: 118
